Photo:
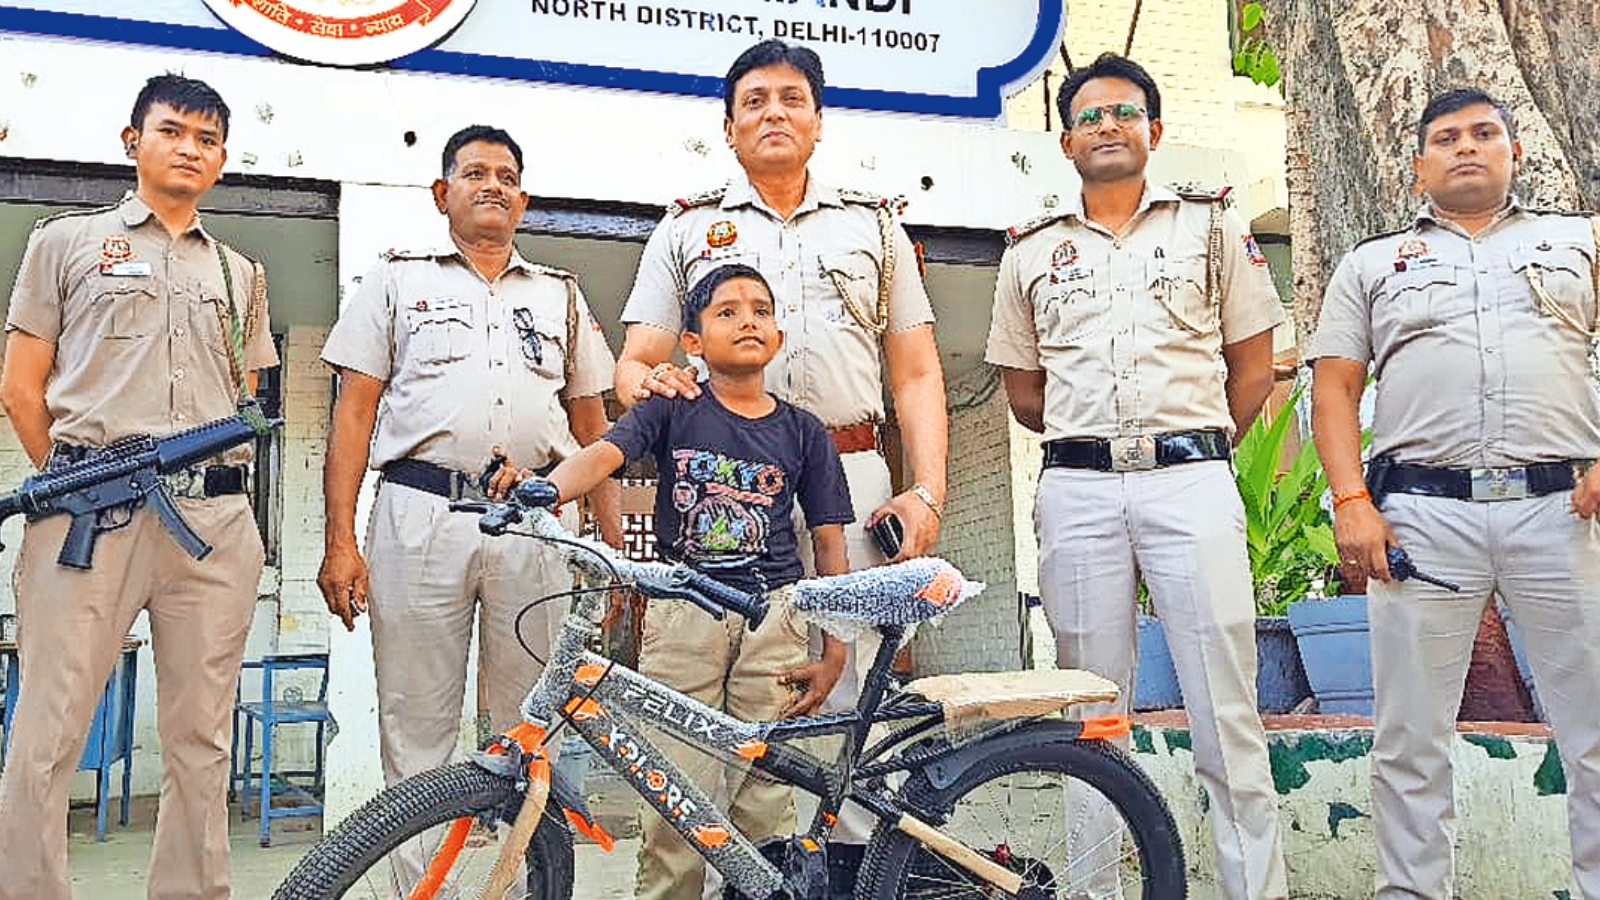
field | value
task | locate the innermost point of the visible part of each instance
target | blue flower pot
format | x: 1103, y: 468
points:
x: 1336, y: 651
x: 1155, y: 682
x: 1280, y: 676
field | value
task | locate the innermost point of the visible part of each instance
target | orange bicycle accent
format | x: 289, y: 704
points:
x: 526, y: 735
x: 582, y: 710
x: 591, y: 830
x: 440, y: 865
x: 712, y: 836
x: 752, y: 749
x: 589, y: 673
x: 1105, y: 728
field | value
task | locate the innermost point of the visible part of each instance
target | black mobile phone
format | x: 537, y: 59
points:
x: 888, y: 533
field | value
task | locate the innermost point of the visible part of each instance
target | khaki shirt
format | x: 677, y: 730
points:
x: 1121, y: 325
x: 142, y: 338
x: 1470, y: 372
x: 459, y: 375
x: 830, y: 365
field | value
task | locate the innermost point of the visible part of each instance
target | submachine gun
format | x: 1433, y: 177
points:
x: 126, y: 474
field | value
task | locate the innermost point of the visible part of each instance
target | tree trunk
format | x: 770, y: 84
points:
x: 1356, y: 76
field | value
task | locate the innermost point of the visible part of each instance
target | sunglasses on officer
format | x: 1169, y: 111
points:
x: 522, y: 319
x: 1121, y: 113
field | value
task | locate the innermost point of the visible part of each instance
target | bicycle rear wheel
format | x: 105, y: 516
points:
x: 352, y: 861
x: 1077, y: 819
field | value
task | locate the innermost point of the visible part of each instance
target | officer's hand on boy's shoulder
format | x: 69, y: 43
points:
x: 667, y: 380
x: 814, y: 681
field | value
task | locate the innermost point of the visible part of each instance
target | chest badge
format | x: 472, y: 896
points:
x: 1064, y: 255
x: 114, y: 250
x: 1253, y: 250
x: 1412, y: 253
x: 722, y: 234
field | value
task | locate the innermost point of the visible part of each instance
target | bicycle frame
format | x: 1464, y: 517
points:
x: 606, y: 702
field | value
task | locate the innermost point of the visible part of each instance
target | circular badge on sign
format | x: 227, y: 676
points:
x: 343, y: 32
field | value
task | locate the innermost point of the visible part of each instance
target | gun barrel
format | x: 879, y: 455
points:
x: 185, y: 448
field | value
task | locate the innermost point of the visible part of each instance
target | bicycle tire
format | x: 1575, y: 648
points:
x: 896, y: 865
x: 360, y: 844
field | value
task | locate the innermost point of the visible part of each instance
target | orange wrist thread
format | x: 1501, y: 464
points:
x: 1341, y: 499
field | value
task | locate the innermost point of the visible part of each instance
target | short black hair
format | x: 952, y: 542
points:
x: 700, y: 295
x: 1457, y: 99
x: 773, y: 52
x: 1108, y: 65
x: 186, y: 95
x: 486, y: 133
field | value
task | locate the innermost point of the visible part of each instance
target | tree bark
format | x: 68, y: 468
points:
x: 1357, y: 74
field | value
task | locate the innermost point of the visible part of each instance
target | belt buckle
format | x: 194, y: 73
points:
x: 1490, y: 485
x: 1133, y: 454
x: 189, y: 483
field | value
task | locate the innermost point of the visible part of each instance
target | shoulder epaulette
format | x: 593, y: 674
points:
x: 69, y: 214
x: 684, y: 204
x: 1580, y: 213
x: 1380, y: 236
x: 552, y: 271
x: 395, y: 253
x: 897, y: 205
x: 1202, y: 194
x: 1018, y: 232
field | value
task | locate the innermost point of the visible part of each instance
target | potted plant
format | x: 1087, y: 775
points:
x: 1289, y: 536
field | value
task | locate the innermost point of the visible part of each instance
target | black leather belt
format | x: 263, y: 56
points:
x: 449, y: 483
x: 1137, y: 453
x: 1512, y: 483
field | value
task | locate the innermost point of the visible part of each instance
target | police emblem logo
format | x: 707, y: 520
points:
x: 1253, y: 250
x: 115, y: 249
x: 1064, y: 255
x: 1412, y: 248
x: 722, y: 234
x: 354, y: 33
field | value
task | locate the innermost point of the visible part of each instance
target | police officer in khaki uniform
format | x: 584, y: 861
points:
x: 121, y: 323
x: 1478, y: 320
x: 1134, y: 329
x: 853, y: 310
x: 442, y: 354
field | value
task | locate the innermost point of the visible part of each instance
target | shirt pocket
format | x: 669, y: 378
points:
x: 542, y: 343
x: 1180, y: 286
x: 438, y: 335
x: 208, y: 320
x: 1068, y: 311
x: 1566, y: 275
x: 854, y: 278
x: 124, y: 308
x: 1421, y: 298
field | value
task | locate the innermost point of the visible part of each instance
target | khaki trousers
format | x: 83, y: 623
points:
x: 1182, y: 529
x: 1546, y: 564
x: 71, y: 625
x: 867, y: 474
x: 432, y: 574
x: 728, y: 667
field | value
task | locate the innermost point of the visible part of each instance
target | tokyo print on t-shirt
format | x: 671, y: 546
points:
x: 728, y: 485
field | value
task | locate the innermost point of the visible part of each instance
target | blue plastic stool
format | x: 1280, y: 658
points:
x: 270, y: 711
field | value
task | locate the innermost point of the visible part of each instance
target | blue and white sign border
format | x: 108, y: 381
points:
x: 987, y: 102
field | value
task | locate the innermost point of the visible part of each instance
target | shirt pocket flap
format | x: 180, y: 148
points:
x: 1571, y: 258
x: 1419, y: 279
x: 855, y: 266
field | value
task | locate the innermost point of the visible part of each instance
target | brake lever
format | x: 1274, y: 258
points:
x: 469, y: 506
x: 1403, y: 569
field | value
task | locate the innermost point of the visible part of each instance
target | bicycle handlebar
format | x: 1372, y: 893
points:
x: 598, y: 560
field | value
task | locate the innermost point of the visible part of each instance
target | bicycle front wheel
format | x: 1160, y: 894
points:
x: 352, y: 862
x: 1076, y: 819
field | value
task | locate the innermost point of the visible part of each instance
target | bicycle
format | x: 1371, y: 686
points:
x: 947, y: 802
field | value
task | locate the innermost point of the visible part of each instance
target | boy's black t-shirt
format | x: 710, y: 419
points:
x: 727, y: 484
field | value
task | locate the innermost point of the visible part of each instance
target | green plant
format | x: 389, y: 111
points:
x: 1252, y: 56
x: 1287, y: 531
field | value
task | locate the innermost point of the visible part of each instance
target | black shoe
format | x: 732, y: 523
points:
x: 844, y: 862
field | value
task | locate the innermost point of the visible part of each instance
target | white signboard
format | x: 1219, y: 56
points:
x: 944, y: 57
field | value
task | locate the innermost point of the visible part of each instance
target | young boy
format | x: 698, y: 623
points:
x: 732, y: 464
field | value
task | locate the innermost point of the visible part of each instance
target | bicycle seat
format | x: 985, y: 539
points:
x: 902, y: 594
